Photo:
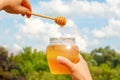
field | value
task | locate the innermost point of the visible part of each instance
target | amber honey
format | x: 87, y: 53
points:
x: 69, y: 51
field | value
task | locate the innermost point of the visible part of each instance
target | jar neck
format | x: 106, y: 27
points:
x: 62, y: 40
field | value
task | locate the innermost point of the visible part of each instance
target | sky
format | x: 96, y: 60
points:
x: 93, y: 23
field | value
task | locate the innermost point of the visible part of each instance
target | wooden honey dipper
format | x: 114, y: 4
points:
x: 60, y: 20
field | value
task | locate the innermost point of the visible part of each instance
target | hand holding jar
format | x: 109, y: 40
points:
x: 79, y: 71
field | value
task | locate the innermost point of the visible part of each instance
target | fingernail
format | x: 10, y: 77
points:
x: 29, y: 14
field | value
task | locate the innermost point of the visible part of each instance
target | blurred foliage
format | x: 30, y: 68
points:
x: 30, y: 64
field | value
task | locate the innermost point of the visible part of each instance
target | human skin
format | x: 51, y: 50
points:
x: 79, y: 71
x: 22, y: 7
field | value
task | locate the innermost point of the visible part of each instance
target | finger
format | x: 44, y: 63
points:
x: 26, y: 3
x: 23, y: 14
x: 80, y: 56
x: 28, y: 15
x: 66, y: 62
x: 22, y: 10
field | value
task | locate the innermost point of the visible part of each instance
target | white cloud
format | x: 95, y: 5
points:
x: 98, y: 33
x: 6, y: 32
x: 113, y: 8
x: 5, y: 46
x: 53, y: 7
x: 18, y: 37
x: 94, y: 42
x: 38, y: 30
x: 108, y: 9
x: 36, y: 27
x: 15, y: 49
x: 113, y: 29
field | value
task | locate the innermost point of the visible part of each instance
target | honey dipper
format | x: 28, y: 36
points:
x: 60, y: 20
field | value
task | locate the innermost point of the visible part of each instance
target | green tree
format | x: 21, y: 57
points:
x: 8, y: 71
x: 104, y: 55
x: 33, y: 65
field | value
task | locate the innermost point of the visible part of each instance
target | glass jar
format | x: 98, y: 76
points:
x: 61, y: 47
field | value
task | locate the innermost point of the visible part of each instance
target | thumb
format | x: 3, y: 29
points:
x: 66, y: 62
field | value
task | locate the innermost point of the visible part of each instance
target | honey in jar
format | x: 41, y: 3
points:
x: 61, y: 47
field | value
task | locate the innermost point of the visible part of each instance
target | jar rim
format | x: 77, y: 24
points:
x: 53, y: 38
x: 68, y: 40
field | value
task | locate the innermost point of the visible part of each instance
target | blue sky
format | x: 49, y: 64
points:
x: 94, y: 24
